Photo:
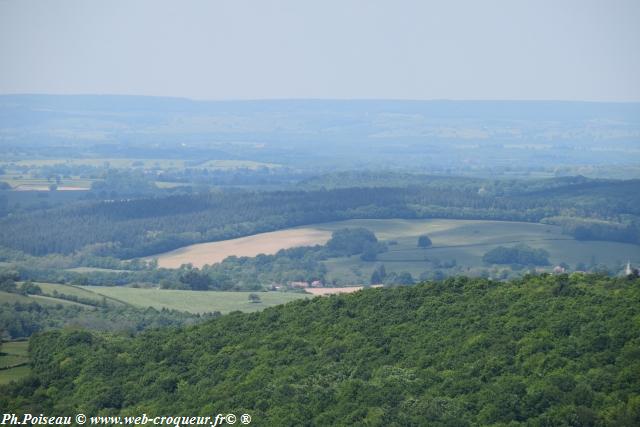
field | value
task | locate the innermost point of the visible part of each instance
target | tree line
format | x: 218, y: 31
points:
x: 146, y: 226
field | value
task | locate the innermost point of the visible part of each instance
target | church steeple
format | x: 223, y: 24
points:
x: 631, y: 272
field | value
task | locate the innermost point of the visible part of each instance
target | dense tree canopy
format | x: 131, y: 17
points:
x: 520, y: 254
x: 130, y: 228
x: 544, y: 350
x: 350, y: 241
x: 21, y: 320
x: 424, y: 241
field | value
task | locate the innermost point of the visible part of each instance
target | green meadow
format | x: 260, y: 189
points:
x: 194, y: 301
x: 465, y: 242
x: 182, y: 300
x: 13, y: 360
x: 51, y: 290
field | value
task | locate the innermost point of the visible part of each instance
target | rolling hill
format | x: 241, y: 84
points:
x: 543, y: 350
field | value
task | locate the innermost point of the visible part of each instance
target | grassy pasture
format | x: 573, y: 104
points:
x: 76, y: 291
x: 183, y: 300
x: 26, y: 183
x: 13, y: 353
x: 14, y: 374
x: 464, y: 241
x: 11, y: 298
x: 448, y: 232
x: 45, y: 299
x: 194, y: 301
x: 48, y: 297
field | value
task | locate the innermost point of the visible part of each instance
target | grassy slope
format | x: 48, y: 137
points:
x: 94, y: 270
x: 14, y: 374
x: 44, y: 299
x: 189, y: 301
x: 49, y: 288
x: 466, y: 241
x: 6, y: 297
x: 193, y: 301
x: 13, y: 353
x: 47, y: 297
x: 539, y: 351
x: 469, y: 240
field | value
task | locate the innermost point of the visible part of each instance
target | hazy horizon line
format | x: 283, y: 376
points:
x: 187, y: 98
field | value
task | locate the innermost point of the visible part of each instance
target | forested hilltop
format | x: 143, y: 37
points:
x: 542, y: 350
x: 126, y: 228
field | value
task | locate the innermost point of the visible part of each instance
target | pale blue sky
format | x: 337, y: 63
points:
x: 401, y: 49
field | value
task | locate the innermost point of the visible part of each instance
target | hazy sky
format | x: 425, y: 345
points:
x: 238, y: 49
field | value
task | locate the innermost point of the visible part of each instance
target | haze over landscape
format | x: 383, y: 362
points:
x: 327, y: 213
x: 570, y: 50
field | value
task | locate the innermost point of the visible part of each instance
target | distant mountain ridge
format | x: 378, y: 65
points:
x: 438, y: 108
x: 439, y: 136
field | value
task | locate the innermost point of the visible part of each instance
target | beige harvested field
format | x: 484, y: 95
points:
x: 264, y: 243
x: 462, y: 240
x: 329, y: 291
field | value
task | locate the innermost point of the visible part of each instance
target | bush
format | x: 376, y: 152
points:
x: 519, y: 255
x: 424, y: 241
x: 350, y: 241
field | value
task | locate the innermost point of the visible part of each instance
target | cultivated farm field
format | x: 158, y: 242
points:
x: 263, y: 243
x: 462, y: 241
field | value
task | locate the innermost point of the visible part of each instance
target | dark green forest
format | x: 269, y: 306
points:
x: 520, y: 254
x: 21, y: 320
x: 542, y: 350
x: 127, y: 228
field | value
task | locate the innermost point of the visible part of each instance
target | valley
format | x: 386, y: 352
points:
x: 459, y: 242
x: 319, y: 262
